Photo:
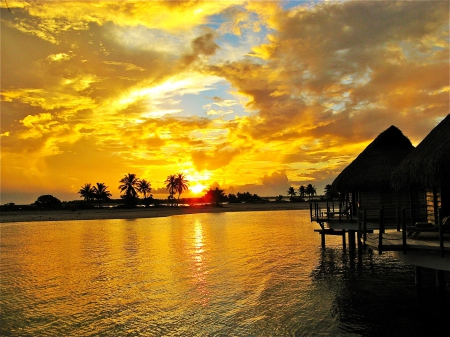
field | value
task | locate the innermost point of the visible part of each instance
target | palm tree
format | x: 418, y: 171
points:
x: 129, y: 185
x: 144, y: 187
x: 87, y: 192
x: 171, y: 186
x: 101, y: 192
x: 328, y: 191
x: 215, y: 196
x: 310, y: 190
x: 291, y: 192
x: 182, y: 184
x: 302, y: 191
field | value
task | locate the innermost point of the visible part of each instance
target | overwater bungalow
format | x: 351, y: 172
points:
x: 424, y: 240
x: 365, y: 189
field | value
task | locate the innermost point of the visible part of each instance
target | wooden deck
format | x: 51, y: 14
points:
x: 393, y: 240
x: 424, y: 250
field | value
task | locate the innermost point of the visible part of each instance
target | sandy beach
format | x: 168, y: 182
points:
x: 135, y: 213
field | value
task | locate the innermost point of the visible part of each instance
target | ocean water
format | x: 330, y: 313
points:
x: 228, y: 274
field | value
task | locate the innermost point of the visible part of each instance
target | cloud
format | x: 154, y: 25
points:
x: 140, y: 87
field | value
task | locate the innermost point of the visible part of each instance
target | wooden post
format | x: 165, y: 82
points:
x: 310, y: 211
x: 358, y: 236
x: 411, y: 202
x: 323, y: 238
x: 440, y: 279
x: 381, y: 230
x: 351, y: 240
x: 418, y: 276
x: 364, y: 227
x: 441, y: 233
x: 405, y: 247
x: 343, y: 240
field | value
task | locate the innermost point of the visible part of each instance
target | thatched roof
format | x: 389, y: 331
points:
x: 372, y: 169
x: 429, y: 164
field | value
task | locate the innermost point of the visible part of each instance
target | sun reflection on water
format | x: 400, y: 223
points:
x: 200, y: 270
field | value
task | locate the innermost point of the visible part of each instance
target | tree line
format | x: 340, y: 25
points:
x: 303, y: 191
x: 310, y: 191
x: 131, y: 187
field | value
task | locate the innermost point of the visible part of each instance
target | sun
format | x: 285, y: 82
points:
x: 198, y: 188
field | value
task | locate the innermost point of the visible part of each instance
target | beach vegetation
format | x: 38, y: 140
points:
x: 48, y: 201
x: 87, y: 192
x: 302, y: 192
x: 171, y: 187
x: 279, y: 198
x: 291, y: 192
x: 181, y: 184
x: 101, y: 192
x: 215, y: 196
x: 129, y: 186
x: 330, y: 193
x: 310, y: 191
x: 144, y: 187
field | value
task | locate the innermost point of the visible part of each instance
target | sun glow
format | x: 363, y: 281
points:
x: 198, y: 188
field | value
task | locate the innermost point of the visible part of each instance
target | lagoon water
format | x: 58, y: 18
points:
x: 226, y: 274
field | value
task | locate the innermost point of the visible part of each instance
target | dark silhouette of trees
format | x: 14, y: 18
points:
x: 215, y: 196
x: 48, y: 202
x: 248, y: 197
x: 310, y: 190
x: 144, y: 187
x: 302, y: 192
x: 128, y: 186
x: 171, y: 186
x: 232, y: 198
x: 101, y: 192
x: 291, y: 192
x: 87, y: 192
x: 329, y: 192
x: 181, y: 184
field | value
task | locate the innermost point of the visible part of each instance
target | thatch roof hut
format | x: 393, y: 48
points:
x: 372, y: 169
x: 429, y: 164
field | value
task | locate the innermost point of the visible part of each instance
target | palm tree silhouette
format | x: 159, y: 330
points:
x: 101, y: 192
x: 144, y: 187
x: 182, y: 184
x: 129, y: 185
x: 302, y: 191
x: 171, y: 186
x: 87, y: 192
x: 291, y: 192
x: 310, y: 190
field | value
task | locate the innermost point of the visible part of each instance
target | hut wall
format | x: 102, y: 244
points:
x: 445, y: 201
x: 433, y: 203
x: 391, y: 201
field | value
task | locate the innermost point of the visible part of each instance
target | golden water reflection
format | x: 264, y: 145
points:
x: 152, y: 275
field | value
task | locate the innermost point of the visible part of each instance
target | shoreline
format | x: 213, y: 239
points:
x: 136, y: 213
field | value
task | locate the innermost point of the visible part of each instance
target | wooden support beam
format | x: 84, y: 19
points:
x: 351, y: 240
x: 343, y: 240
x: 381, y: 231
x: 418, y: 276
x: 440, y: 279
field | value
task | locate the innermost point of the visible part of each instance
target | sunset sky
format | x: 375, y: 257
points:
x: 251, y: 95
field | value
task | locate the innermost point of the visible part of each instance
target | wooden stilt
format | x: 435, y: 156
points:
x: 418, y: 276
x: 343, y: 240
x: 351, y: 240
x: 440, y: 279
x: 323, y: 239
